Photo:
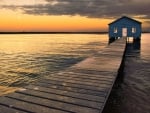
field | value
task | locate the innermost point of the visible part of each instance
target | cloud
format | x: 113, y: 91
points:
x: 147, y: 22
x: 22, y: 2
x: 88, y: 8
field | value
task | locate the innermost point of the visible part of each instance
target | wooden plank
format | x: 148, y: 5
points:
x: 28, y: 107
x: 4, y: 109
x: 78, y: 78
x: 53, y: 104
x: 67, y: 93
x: 94, y: 73
x: 83, y: 76
x: 64, y: 99
x: 101, y: 88
x: 113, y: 54
x: 99, y: 63
x: 77, y: 83
x: 74, y: 89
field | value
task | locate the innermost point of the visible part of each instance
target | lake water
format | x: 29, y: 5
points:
x: 131, y: 93
x: 25, y: 58
x: 28, y: 58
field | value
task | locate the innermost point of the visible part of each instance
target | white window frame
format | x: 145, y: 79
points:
x: 133, y: 29
x: 115, y: 30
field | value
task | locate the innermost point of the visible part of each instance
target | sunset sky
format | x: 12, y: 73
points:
x: 69, y: 15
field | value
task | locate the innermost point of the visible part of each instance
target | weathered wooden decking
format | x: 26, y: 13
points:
x: 82, y: 88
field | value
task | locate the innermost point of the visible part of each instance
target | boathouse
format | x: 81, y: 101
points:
x: 125, y: 27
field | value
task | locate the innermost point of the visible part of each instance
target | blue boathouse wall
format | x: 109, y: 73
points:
x: 133, y: 28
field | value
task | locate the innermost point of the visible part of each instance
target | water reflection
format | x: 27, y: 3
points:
x: 137, y: 45
x: 27, y: 58
x: 131, y: 91
x: 133, y: 46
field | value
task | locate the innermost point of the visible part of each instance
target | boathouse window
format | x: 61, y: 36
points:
x: 133, y: 30
x: 115, y: 30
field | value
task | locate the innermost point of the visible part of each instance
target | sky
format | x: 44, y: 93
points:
x: 69, y: 15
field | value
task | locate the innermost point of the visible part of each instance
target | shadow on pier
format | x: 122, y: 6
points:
x: 116, y: 100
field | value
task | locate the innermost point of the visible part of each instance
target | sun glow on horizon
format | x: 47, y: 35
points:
x: 17, y: 21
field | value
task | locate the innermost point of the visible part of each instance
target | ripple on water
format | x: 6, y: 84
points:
x: 28, y: 58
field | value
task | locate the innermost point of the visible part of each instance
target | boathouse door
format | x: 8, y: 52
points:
x: 124, y: 32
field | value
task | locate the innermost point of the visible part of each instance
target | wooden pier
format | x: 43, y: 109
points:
x: 82, y: 88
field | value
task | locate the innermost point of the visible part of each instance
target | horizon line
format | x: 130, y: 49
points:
x: 37, y: 32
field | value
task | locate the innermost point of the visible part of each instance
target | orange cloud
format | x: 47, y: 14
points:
x: 15, y: 21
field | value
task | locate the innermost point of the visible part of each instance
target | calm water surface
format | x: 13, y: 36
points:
x: 131, y: 93
x: 27, y: 58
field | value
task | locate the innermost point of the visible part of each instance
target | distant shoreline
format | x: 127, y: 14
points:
x: 53, y: 32
x: 57, y: 32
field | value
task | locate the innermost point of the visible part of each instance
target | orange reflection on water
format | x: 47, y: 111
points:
x: 28, y: 57
x: 5, y: 90
x: 41, y: 43
x: 145, y: 46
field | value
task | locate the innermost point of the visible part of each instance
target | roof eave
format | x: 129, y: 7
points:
x: 124, y: 17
